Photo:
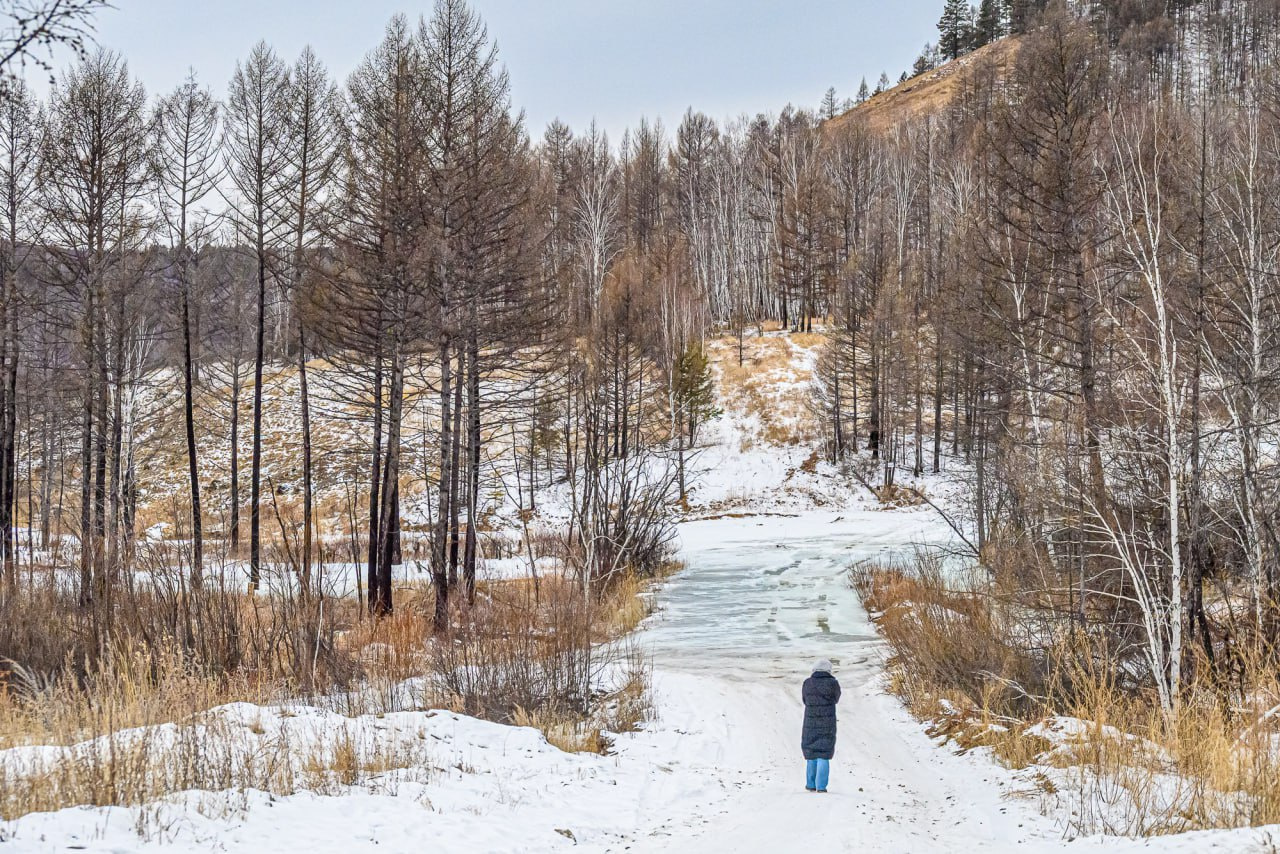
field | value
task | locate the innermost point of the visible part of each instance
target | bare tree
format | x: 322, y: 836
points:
x: 379, y: 232
x: 95, y: 172
x: 186, y: 154
x: 35, y: 27
x: 21, y: 133
x: 1138, y: 194
x: 596, y: 225
x: 311, y: 151
x: 253, y: 145
x: 477, y: 278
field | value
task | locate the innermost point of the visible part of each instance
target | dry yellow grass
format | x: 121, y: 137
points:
x: 124, y: 690
x: 105, y: 708
x: 624, y: 711
x: 1124, y: 765
x: 932, y: 92
x: 769, y: 384
x: 808, y: 340
x: 212, y: 754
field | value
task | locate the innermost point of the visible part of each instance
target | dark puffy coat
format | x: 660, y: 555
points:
x: 821, y: 692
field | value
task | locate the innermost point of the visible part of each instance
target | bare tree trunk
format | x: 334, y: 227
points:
x: 235, y: 429
x: 874, y: 438
x: 116, y: 474
x: 937, y: 407
x: 473, y: 463
x: 47, y: 454
x: 86, y: 477
x: 455, y: 474
x: 918, y: 369
x: 375, y: 486
x: 8, y: 448
x: 439, y: 557
x: 100, y: 396
x: 255, y: 476
x: 1199, y: 558
x: 307, y: 498
x: 388, y: 517
x: 193, y: 468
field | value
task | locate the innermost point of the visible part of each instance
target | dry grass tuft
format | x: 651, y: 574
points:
x: 138, y: 719
x: 894, y: 495
x: 770, y: 385
x: 986, y: 672
x: 623, y: 710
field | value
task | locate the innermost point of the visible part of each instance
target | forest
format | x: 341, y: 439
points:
x: 264, y: 338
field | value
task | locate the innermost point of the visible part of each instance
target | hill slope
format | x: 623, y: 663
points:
x: 932, y: 92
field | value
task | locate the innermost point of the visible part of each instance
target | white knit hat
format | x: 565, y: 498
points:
x: 823, y: 666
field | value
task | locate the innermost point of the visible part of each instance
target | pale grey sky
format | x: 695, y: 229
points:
x: 614, y: 60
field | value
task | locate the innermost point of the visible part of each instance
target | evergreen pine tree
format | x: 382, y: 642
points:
x: 990, y: 24
x: 1021, y: 13
x: 864, y: 91
x: 695, y: 393
x: 954, y: 28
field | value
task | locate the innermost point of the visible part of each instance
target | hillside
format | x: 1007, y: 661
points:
x: 933, y: 91
x: 379, y: 466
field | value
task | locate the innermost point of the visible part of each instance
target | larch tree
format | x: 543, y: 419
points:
x: 185, y: 149
x: 95, y: 171
x: 311, y: 152
x: 475, y: 175
x: 379, y: 232
x: 21, y: 131
x: 253, y: 145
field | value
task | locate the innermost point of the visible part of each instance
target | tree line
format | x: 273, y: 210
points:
x: 1064, y: 280
x: 1061, y: 280
x: 488, y: 312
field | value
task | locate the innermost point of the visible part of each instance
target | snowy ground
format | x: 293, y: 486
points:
x: 771, y: 534
x: 762, y: 599
x: 718, y: 770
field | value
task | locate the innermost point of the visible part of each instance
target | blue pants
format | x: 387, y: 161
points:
x: 816, y: 773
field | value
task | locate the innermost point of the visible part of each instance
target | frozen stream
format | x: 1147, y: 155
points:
x: 766, y: 596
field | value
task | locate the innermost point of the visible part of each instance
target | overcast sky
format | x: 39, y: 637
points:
x: 614, y: 60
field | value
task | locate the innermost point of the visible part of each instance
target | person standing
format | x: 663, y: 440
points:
x: 821, y: 692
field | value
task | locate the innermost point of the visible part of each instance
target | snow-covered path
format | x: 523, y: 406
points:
x: 764, y: 597
x: 719, y: 770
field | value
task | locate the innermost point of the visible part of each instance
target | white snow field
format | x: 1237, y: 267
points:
x: 718, y: 769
